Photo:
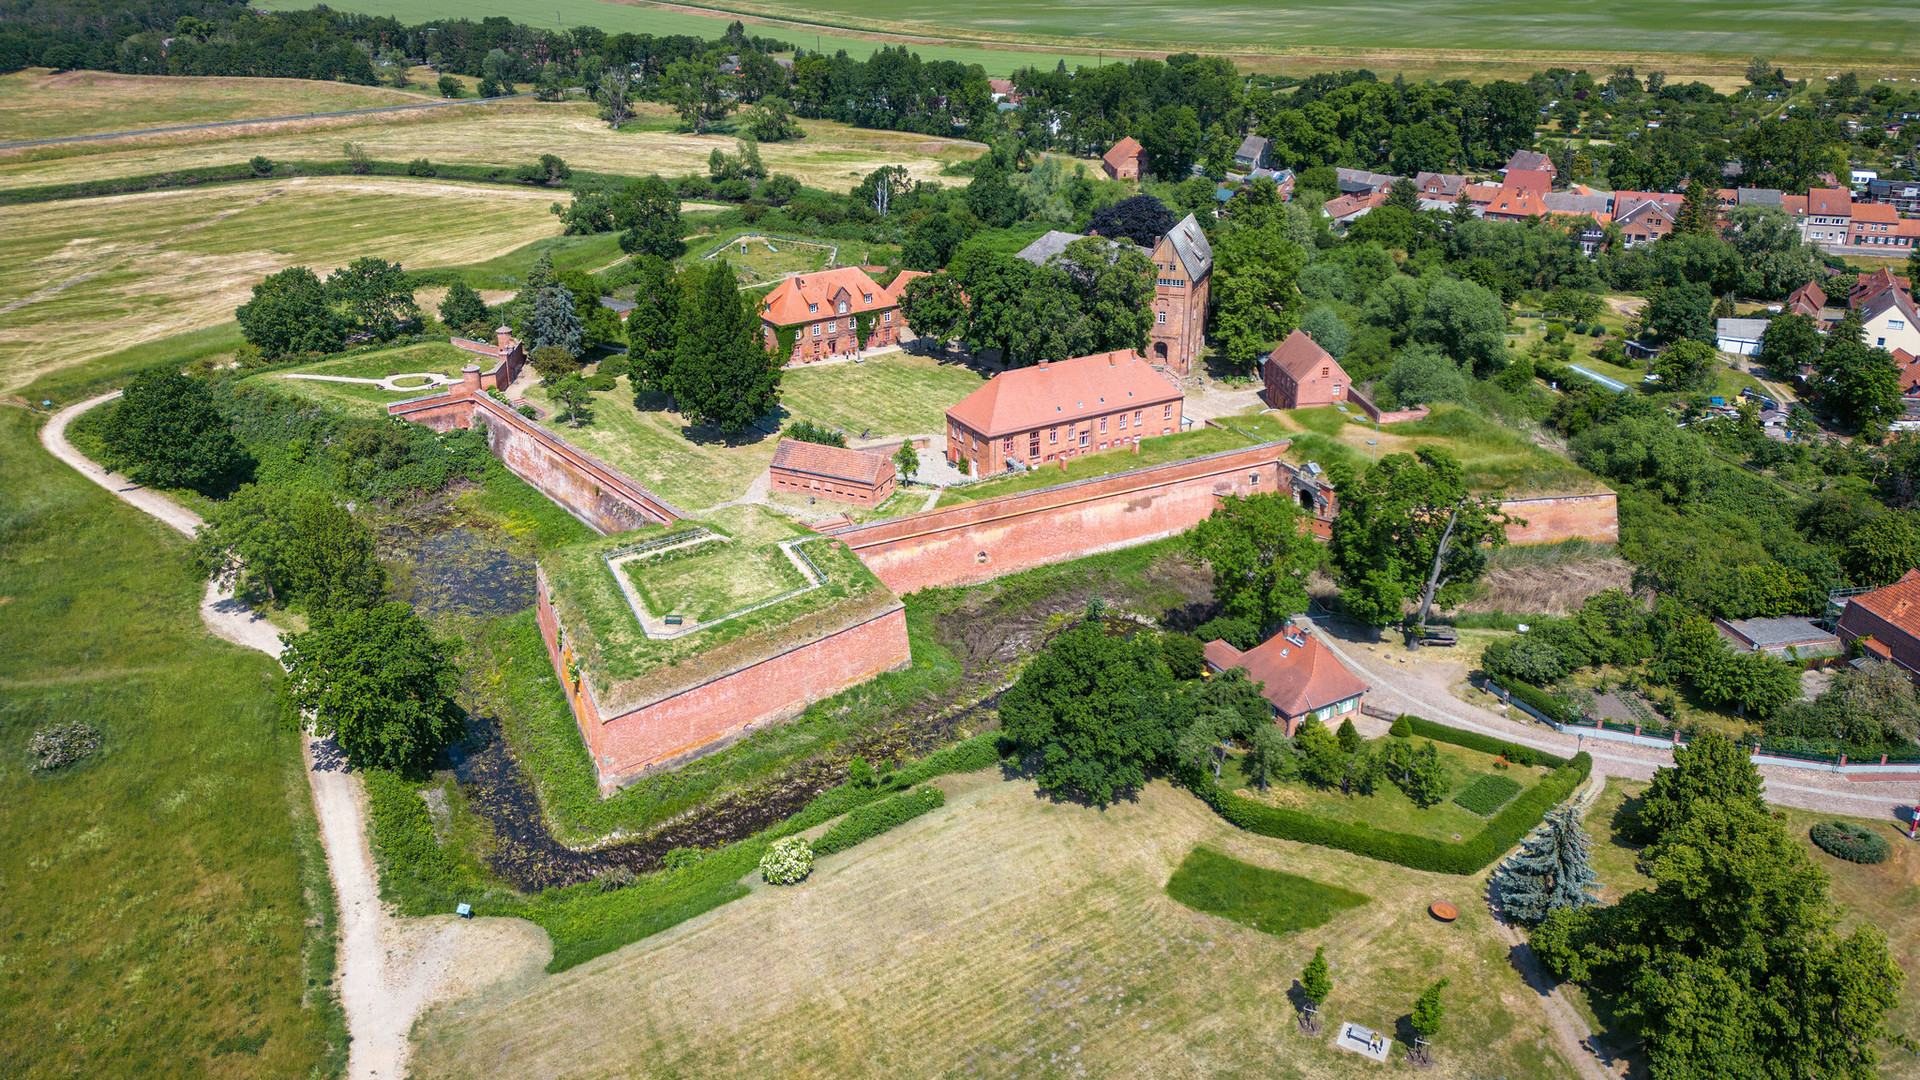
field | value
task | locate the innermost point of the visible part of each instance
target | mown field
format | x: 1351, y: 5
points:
x: 40, y: 104
x: 164, y: 905
x: 1005, y: 935
x: 1830, y: 28
x: 90, y: 277
x: 832, y: 156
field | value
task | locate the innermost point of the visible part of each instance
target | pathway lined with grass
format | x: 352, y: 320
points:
x: 390, y: 968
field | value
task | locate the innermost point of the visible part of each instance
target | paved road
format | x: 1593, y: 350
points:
x: 1403, y: 687
x: 257, y: 120
x: 391, y: 968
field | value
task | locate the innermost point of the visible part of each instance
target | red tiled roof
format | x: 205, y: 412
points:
x: 1123, y: 151
x: 1027, y: 398
x: 1298, y: 355
x: 1898, y: 603
x: 1830, y: 201
x: 832, y: 462
x: 1481, y: 194
x: 1909, y: 366
x: 787, y: 304
x: 1877, y: 213
x: 1794, y: 204
x: 1808, y: 299
x: 1300, y: 674
x: 899, y: 283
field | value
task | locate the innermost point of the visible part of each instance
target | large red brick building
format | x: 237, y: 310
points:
x: 831, y: 472
x: 1183, y: 280
x: 1302, y: 677
x: 827, y: 312
x: 1301, y: 375
x: 1032, y: 416
x: 1885, y: 623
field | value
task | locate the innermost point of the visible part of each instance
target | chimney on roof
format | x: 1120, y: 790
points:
x: 1043, y: 363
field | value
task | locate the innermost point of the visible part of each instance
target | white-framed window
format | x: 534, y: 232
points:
x: 1167, y: 414
x: 866, y: 298
x: 813, y: 309
x: 816, y: 329
x: 843, y: 307
x: 887, y: 318
x: 1123, y: 421
x: 1103, y: 425
x: 1160, y: 317
x: 1896, y: 324
x: 1053, y: 435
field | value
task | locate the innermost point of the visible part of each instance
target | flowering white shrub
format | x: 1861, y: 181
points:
x: 788, y: 861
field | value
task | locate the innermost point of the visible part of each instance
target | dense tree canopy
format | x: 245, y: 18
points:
x: 167, y: 432
x: 377, y: 681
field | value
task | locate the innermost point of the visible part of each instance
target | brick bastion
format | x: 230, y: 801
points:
x: 607, y: 500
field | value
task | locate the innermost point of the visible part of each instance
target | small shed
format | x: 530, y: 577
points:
x: 1795, y: 637
x: 1741, y: 337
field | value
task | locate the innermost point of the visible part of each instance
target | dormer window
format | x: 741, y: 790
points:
x: 866, y: 298
x: 813, y: 309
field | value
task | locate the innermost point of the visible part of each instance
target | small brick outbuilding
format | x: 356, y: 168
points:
x: 1301, y: 375
x: 830, y: 472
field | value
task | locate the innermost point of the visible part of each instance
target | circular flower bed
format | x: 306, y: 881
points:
x: 1854, y: 843
x: 787, y: 862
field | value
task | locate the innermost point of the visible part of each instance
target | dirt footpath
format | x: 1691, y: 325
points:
x: 391, y: 967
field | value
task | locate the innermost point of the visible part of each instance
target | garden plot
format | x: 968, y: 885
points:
x: 680, y: 586
x: 1475, y: 789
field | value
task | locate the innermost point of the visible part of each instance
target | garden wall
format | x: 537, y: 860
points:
x: 701, y: 719
x: 1553, y: 518
x: 979, y: 541
x: 588, y: 488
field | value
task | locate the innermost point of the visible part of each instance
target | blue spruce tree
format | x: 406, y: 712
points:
x: 555, y: 322
x: 1551, y: 871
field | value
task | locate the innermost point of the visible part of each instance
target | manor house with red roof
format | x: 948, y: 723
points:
x: 833, y: 313
x: 1033, y: 416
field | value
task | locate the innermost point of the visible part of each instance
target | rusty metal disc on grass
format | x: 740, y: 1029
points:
x: 1443, y: 911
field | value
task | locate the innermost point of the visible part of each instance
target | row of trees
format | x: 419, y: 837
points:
x: 294, y: 312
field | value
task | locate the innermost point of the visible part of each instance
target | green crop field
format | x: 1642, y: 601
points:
x: 93, y: 276
x: 158, y: 897
x: 1830, y: 28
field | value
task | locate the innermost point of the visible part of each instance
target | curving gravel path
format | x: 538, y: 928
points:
x: 391, y: 967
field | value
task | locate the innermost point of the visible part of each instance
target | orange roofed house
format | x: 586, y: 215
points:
x: 831, y: 472
x: 1889, y: 621
x: 827, y: 313
x: 1032, y: 416
x: 1301, y: 375
x: 1124, y: 160
x: 1302, y: 677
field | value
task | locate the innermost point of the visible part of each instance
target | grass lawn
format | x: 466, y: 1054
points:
x: 766, y: 259
x: 707, y: 581
x: 95, y: 276
x: 1268, y: 900
x: 899, y: 393
x: 689, y: 467
x: 1388, y: 807
x: 166, y: 905
x: 1496, y: 458
x: 352, y: 397
x: 434, y: 356
x: 38, y: 104
x: 1158, y: 450
x: 1005, y: 934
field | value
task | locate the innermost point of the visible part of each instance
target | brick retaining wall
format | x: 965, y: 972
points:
x: 978, y: 541
x: 588, y: 488
x: 685, y: 725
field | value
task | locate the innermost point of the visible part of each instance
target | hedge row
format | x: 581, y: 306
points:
x: 241, y: 171
x: 875, y: 818
x: 1486, y: 744
x: 1539, y: 700
x: 1418, y: 852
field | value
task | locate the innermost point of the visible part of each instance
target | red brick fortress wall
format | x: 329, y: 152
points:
x: 586, y: 487
x: 709, y: 717
x: 979, y: 541
x: 1553, y: 518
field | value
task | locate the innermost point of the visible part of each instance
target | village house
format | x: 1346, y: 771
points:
x: 1829, y: 216
x: 1434, y: 185
x: 1183, y: 282
x: 1300, y: 676
x: 1531, y: 161
x: 1808, y: 299
x: 1870, y: 285
x: 1880, y: 225
x: 1028, y: 417
x: 832, y: 313
x: 1348, y: 209
x: 1362, y: 182
x: 1902, y: 195
x: 1254, y: 153
x: 1301, y: 375
x: 831, y: 472
x: 1645, y: 216
x: 1885, y: 623
x: 1522, y: 195
x: 1888, y: 321
x: 1124, y: 161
